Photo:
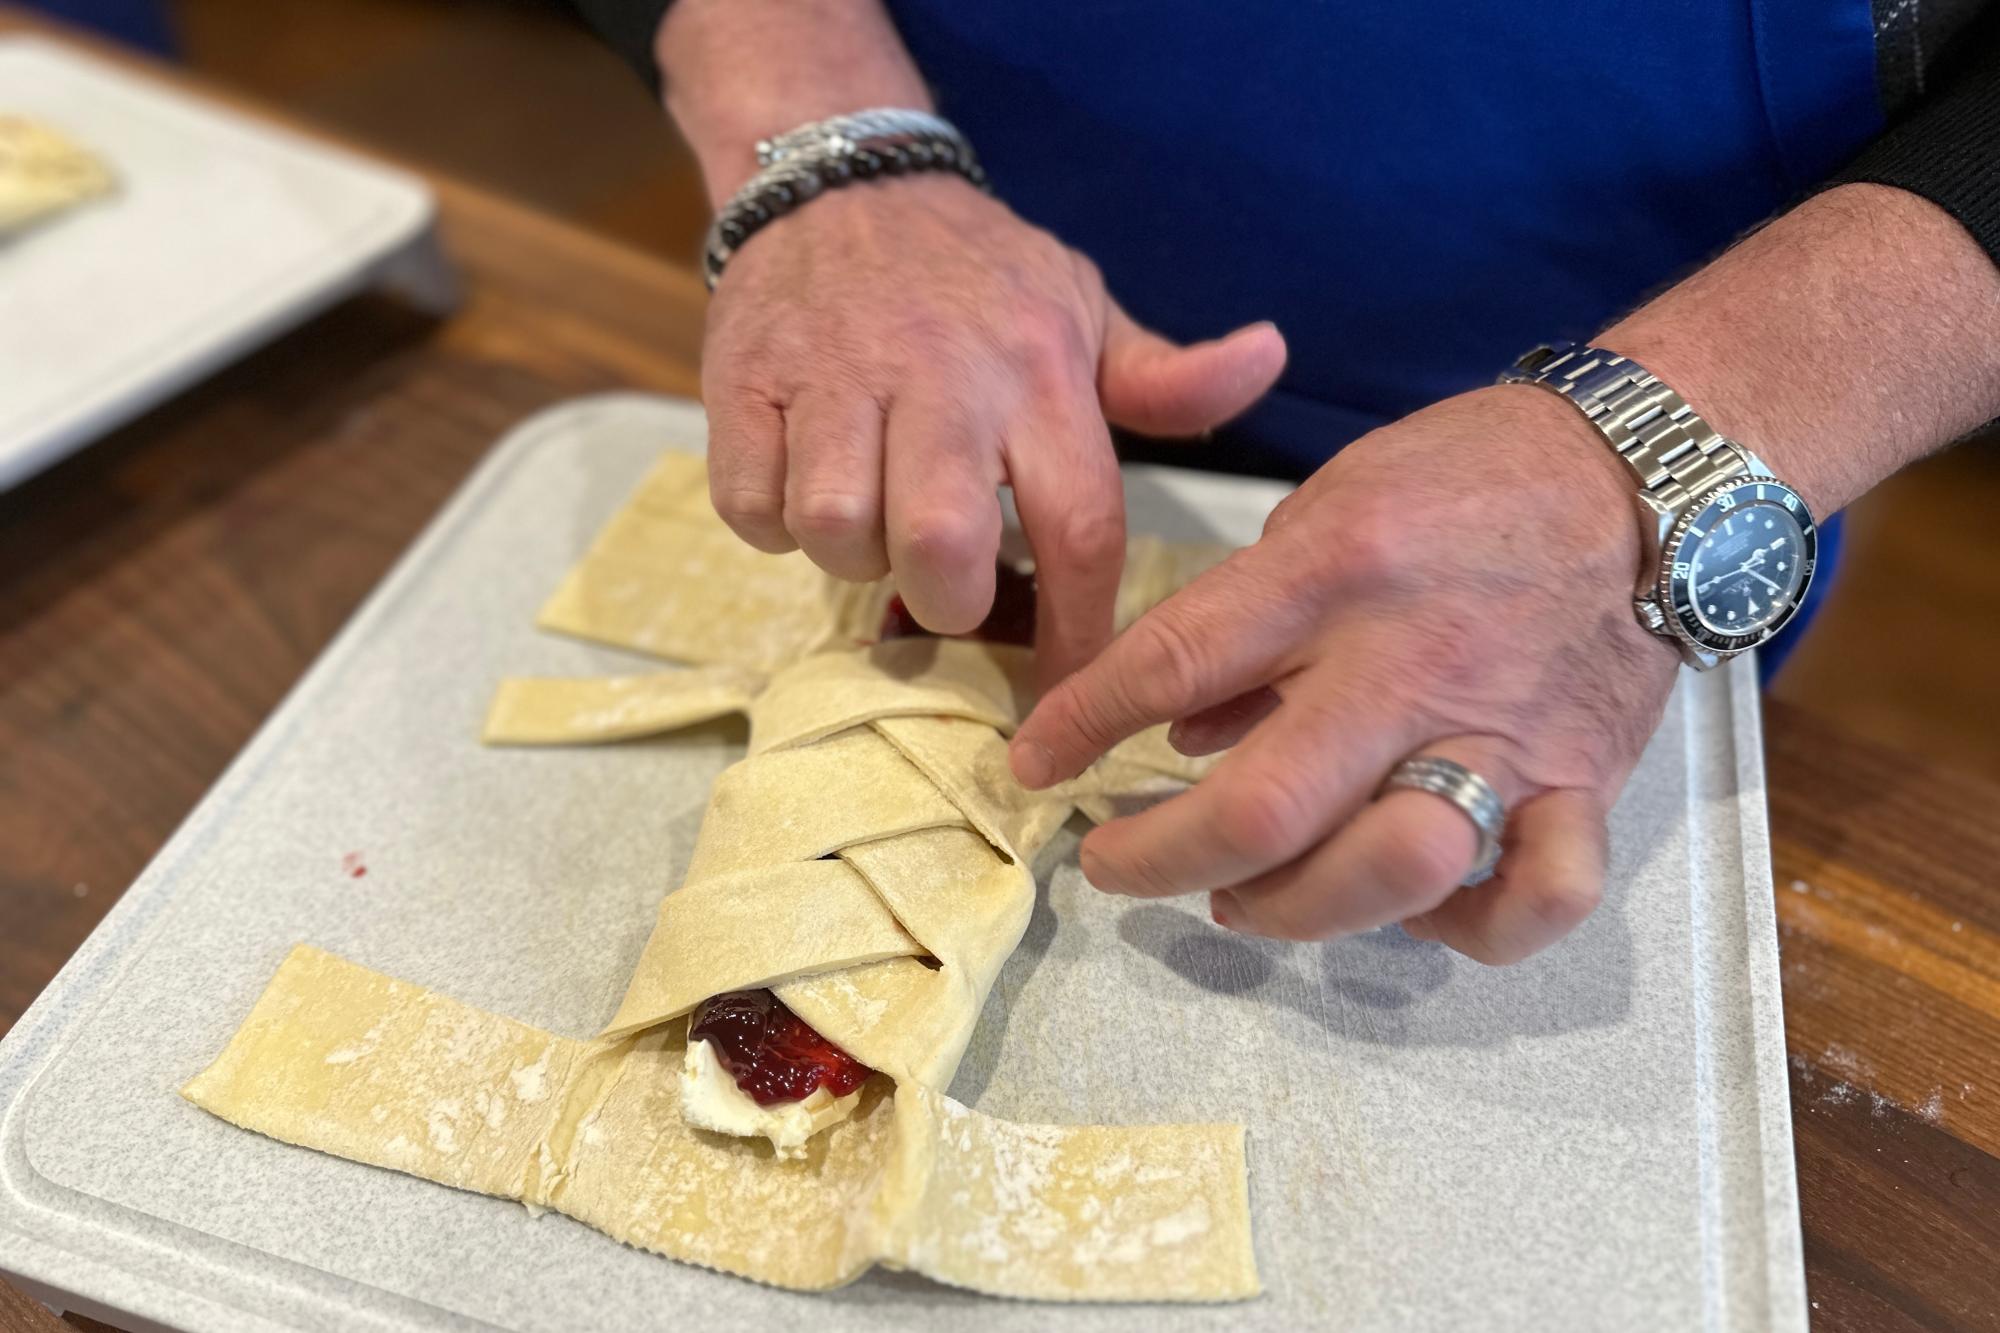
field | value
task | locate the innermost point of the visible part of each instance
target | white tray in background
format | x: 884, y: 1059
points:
x: 224, y: 232
x: 1599, y: 1138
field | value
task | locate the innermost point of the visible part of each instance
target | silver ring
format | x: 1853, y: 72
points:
x: 1469, y: 792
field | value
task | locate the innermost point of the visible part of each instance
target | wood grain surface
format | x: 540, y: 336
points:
x: 162, y: 590
x: 1889, y: 933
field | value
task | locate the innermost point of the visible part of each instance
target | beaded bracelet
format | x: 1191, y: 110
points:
x: 825, y: 155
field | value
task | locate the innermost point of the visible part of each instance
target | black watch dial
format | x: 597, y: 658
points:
x: 1741, y: 564
x: 1746, y: 568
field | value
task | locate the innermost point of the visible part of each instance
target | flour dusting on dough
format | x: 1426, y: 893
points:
x: 490, y: 1108
x: 894, y: 757
x: 531, y: 1081
x: 349, y: 1054
x: 1183, y: 1226
x: 866, y: 1009
x: 442, y: 1123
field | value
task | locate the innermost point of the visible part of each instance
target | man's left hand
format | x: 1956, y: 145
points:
x: 1457, y: 584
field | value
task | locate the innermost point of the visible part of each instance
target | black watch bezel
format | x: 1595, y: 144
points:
x: 1676, y: 579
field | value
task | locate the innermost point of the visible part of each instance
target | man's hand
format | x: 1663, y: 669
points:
x: 879, y: 363
x: 1457, y: 584
x: 1460, y: 584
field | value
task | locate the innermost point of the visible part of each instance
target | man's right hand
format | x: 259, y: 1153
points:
x: 878, y: 363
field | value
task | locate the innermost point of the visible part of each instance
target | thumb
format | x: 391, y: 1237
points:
x: 1152, y: 386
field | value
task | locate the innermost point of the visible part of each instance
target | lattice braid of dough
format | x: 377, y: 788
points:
x: 890, y: 758
x: 873, y: 822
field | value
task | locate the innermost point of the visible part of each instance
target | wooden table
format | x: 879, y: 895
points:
x: 161, y: 591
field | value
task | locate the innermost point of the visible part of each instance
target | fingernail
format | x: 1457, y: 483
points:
x: 1218, y: 911
x: 1033, y: 765
x: 1093, y: 871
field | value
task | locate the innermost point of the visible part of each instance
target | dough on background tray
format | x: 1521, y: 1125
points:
x: 867, y: 861
x: 43, y: 174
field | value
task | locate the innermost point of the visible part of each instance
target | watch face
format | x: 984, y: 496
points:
x: 1740, y: 564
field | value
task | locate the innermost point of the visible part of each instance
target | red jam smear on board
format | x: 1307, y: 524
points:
x: 1012, y: 619
x: 771, y: 1052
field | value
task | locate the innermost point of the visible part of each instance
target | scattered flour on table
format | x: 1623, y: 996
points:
x: 1845, y: 1062
x: 1849, y: 1066
x: 1855, y: 1074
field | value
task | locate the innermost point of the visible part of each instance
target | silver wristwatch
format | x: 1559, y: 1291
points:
x: 1729, y: 549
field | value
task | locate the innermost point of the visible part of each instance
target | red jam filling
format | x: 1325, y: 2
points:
x: 770, y: 1051
x: 1012, y: 619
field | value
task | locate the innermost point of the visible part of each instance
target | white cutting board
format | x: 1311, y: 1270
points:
x: 1599, y: 1138
x: 223, y: 233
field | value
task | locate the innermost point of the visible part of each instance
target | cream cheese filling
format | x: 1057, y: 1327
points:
x: 711, y: 1100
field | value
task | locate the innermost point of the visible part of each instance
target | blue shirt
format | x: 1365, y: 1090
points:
x: 1415, y: 191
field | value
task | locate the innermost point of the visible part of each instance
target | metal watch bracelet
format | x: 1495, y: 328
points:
x: 1670, y: 448
x: 1695, y: 484
x: 803, y: 163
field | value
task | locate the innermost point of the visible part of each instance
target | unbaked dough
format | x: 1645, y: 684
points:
x: 348, y: 1061
x: 869, y: 861
x: 615, y: 708
x: 42, y: 174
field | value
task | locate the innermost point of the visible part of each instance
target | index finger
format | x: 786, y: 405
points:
x: 1222, y: 634
x: 1300, y: 774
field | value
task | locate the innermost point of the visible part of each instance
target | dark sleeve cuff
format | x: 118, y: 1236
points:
x: 628, y: 27
x: 1948, y: 149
